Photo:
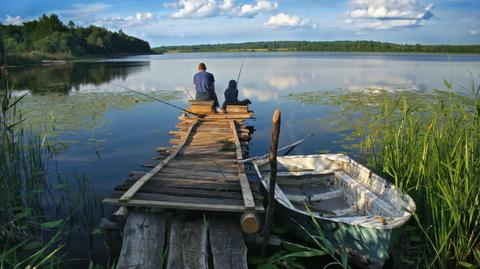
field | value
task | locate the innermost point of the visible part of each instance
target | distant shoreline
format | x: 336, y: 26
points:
x: 326, y: 51
x: 323, y: 46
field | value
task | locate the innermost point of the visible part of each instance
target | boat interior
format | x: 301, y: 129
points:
x: 333, y: 186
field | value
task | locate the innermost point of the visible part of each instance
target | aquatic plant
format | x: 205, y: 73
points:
x: 430, y: 149
x: 34, y: 216
x: 27, y: 238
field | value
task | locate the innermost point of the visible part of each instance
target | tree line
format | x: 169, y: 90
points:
x: 48, y: 35
x: 353, y: 46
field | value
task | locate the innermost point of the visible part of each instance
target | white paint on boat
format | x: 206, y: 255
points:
x: 372, y: 201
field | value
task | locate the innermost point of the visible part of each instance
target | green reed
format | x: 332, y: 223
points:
x: 36, y: 216
x: 431, y: 150
x: 23, y: 184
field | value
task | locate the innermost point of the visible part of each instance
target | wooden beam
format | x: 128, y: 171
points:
x: 131, y: 192
x: 180, y: 205
x: 249, y: 220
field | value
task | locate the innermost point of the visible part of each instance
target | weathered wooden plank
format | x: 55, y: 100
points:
x: 143, y: 240
x: 131, y: 192
x: 222, y: 116
x: 227, y: 244
x: 190, y: 192
x: 186, y: 176
x: 187, y: 183
x: 188, y: 245
x: 246, y: 191
x: 184, y: 203
x: 241, y: 109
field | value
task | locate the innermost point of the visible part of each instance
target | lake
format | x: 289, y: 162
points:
x: 104, y: 132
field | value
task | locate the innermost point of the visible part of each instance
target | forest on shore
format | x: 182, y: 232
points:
x: 348, y: 46
x: 49, y: 38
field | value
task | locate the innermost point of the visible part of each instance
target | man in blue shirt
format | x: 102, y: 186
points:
x: 205, y: 86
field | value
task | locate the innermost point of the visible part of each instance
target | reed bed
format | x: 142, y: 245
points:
x: 430, y: 149
x: 36, y: 215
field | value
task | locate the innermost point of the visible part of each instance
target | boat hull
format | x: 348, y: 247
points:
x: 368, y: 247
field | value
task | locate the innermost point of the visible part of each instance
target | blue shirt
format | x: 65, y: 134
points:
x: 203, y: 81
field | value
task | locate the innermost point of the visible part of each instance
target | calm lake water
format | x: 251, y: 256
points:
x: 106, y: 132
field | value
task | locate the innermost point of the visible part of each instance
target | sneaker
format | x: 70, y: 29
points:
x: 218, y: 110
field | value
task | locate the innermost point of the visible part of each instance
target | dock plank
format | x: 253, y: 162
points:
x: 228, y: 247
x: 143, y: 241
x: 187, y: 245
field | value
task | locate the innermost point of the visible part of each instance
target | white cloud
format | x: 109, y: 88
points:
x: 210, y: 8
x: 251, y: 10
x: 282, y: 20
x: 387, y: 14
x: 195, y: 8
x: 84, y: 9
x: 475, y: 31
x: 129, y: 21
x: 9, y: 20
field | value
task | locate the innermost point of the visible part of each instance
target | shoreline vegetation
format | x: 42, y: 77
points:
x: 428, y: 146
x: 49, y: 39
x: 321, y: 46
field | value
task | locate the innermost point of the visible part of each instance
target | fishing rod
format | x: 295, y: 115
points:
x: 189, y: 94
x: 159, y: 100
x: 240, y: 72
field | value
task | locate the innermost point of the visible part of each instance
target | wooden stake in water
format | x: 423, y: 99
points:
x: 273, y: 179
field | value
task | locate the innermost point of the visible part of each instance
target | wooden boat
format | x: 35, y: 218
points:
x: 354, y: 207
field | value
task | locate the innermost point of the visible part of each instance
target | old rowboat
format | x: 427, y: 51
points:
x: 355, y: 208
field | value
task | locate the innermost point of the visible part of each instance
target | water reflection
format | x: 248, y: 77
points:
x: 117, y: 131
x: 64, y: 78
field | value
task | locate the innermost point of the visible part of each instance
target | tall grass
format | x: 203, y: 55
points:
x: 27, y: 239
x: 431, y: 150
x: 37, y: 217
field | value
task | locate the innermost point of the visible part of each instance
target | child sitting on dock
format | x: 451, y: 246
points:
x: 231, y: 96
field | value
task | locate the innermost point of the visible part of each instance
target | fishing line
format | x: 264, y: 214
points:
x: 240, y: 72
x: 159, y: 100
x: 189, y: 94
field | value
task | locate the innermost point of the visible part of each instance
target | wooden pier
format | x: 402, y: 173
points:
x: 203, y: 191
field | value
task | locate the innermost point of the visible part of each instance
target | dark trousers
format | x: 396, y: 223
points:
x: 206, y: 96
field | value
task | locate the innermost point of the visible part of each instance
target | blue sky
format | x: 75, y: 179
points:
x: 174, y: 22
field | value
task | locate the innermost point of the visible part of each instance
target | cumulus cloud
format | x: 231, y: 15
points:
x: 9, y: 20
x: 387, y: 14
x: 210, y: 8
x: 129, y: 21
x: 251, y: 10
x: 282, y: 20
x: 475, y: 31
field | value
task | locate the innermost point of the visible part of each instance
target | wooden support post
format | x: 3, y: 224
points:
x: 273, y: 179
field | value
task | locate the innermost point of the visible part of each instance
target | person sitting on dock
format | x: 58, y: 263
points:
x: 205, y: 86
x: 231, y: 96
